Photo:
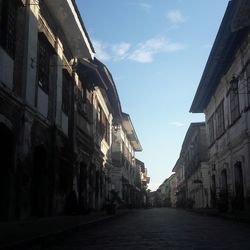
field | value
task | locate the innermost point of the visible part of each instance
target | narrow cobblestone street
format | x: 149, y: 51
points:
x: 161, y: 228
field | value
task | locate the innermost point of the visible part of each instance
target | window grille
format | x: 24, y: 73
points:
x: 8, y: 18
x: 98, y: 120
x: 220, y: 123
x: 44, y: 56
x: 234, y: 106
x: 211, y: 130
x: 248, y: 83
x: 105, y: 127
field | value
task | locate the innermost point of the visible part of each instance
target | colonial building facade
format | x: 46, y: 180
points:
x: 124, y: 170
x: 143, y: 182
x: 173, y: 188
x: 58, y: 104
x: 168, y: 191
x: 223, y: 95
x: 38, y: 82
x: 192, y: 169
x: 180, y: 183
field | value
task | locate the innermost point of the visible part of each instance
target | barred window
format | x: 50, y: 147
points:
x: 234, y: 106
x: 248, y: 83
x: 219, y: 119
x: 98, y: 120
x: 44, y: 56
x: 211, y: 129
x: 66, y: 93
x: 248, y: 89
x: 83, y: 105
x: 123, y: 152
x: 108, y: 132
x: 105, y: 126
x: 8, y: 18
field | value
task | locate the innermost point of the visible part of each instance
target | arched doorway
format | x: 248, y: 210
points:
x: 6, y: 154
x: 239, y: 186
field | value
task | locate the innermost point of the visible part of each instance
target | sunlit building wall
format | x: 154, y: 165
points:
x: 124, y: 171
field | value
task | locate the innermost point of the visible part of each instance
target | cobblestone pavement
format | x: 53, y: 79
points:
x: 161, y: 228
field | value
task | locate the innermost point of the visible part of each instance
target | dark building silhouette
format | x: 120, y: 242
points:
x: 58, y: 105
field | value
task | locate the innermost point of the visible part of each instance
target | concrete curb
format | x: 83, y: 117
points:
x: 45, y: 239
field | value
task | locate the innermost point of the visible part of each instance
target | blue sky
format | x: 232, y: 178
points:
x: 156, y: 51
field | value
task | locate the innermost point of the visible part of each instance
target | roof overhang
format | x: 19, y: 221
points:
x: 67, y: 16
x: 241, y: 17
x: 111, y: 90
x: 141, y: 164
x: 178, y: 164
x: 194, y: 126
x: 220, y: 58
x: 130, y: 132
x: 89, y: 73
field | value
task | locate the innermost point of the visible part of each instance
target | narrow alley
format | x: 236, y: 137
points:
x: 124, y: 124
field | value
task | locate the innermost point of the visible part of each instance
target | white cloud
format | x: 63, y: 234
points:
x: 145, y: 52
x: 175, y: 17
x: 106, y: 52
x: 120, y: 50
x: 142, y: 56
x: 177, y: 124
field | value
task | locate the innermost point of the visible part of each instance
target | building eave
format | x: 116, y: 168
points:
x: 67, y: 16
x: 189, y: 134
x: 220, y: 57
x: 176, y: 166
x: 241, y: 18
x: 89, y: 72
x: 110, y: 89
x: 130, y: 132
